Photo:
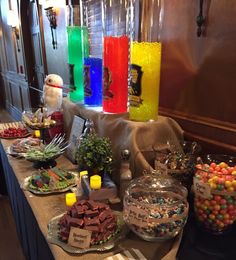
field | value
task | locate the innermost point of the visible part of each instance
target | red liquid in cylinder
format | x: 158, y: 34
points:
x: 115, y: 74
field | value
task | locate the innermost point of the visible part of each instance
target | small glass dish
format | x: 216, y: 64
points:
x: 155, y: 208
x: 179, y: 161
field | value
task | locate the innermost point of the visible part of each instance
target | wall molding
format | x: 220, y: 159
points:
x: 14, y: 77
x: 214, y: 135
x: 15, y: 113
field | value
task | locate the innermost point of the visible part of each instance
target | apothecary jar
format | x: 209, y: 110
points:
x: 155, y: 208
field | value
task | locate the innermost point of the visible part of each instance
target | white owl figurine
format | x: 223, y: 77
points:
x: 52, y: 92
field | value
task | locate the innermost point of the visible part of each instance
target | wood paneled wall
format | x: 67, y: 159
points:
x: 197, y: 75
x: 13, y: 72
x: 57, y: 58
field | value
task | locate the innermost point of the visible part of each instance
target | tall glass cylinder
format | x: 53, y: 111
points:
x: 115, y: 55
x: 145, y: 60
x: 92, y: 16
x: 77, y: 49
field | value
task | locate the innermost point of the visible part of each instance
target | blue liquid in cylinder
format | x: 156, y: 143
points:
x: 92, y: 81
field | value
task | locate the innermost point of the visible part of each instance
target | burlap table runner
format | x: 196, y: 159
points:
x: 139, y: 137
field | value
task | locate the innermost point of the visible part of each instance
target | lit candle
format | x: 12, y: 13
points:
x: 37, y: 133
x: 95, y: 182
x: 70, y: 199
x: 81, y: 174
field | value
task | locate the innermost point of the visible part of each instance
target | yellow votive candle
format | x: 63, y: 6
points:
x: 95, y: 182
x: 37, y: 133
x: 81, y: 174
x: 70, y: 199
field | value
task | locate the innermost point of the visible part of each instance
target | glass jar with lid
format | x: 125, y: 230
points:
x: 215, y: 193
x: 155, y: 208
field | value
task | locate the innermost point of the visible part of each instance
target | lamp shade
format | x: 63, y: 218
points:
x: 12, y: 18
x: 52, y: 3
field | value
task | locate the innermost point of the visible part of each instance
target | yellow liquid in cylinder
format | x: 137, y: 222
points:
x: 145, y: 78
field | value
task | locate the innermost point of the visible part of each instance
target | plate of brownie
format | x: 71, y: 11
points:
x: 106, y: 227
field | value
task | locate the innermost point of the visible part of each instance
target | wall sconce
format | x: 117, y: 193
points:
x: 52, y: 18
x: 13, y: 21
x: 51, y: 13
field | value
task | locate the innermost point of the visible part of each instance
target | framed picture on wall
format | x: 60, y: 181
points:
x: 75, y: 133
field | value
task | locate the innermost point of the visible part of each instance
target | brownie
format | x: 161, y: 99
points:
x: 94, y: 216
x: 91, y: 213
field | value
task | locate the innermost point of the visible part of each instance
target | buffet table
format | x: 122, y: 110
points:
x: 32, y: 214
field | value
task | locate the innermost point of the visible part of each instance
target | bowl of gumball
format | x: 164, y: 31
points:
x: 155, y: 207
x: 215, y: 193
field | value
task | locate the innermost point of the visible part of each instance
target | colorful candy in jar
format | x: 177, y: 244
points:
x: 115, y: 74
x: 145, y: 80
x: 77, y: 50
x: 215, y: 195
x: 92, y: 81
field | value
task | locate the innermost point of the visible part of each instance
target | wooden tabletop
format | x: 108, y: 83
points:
x: 45, y: 207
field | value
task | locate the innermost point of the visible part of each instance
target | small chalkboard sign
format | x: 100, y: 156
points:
x: 76, y: 131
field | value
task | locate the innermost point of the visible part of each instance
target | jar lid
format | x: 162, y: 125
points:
x: 158, y: 184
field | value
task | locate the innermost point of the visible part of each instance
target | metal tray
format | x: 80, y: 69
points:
x: 53, y: 229
x: 25, y: 186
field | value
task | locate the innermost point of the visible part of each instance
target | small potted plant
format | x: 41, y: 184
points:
x: 94, y: 154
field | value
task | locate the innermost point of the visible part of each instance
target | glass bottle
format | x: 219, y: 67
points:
x: 77, y: 49
x: 145, y: 60
x: 115, y: 55
x: 92, y: 16
x: 125, y: 172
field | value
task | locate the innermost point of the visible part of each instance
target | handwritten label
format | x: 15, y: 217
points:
x: 79, y: 237
x: 201, y: 189
x: 137, y: 216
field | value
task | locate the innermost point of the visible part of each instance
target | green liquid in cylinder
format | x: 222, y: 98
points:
x: 78, y: 48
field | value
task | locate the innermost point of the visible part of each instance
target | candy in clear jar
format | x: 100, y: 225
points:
x: 215, y: 193
x: 155, y: 208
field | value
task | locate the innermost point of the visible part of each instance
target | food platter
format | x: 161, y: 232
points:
x: 61, y: 187
x: 53, y: 230
x: 47, y: 153
x: 13, y: 130
x: 38, y: 119
x: 19, y: 147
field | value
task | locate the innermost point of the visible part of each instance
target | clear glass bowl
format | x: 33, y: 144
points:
x: 179, y: 163
x: 155, y: 208
x: 215, y: 193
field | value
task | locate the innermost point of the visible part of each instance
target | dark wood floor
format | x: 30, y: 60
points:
x: 10, y: 248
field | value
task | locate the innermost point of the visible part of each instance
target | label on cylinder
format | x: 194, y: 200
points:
x: 87, y: 86
x: 135, y: 86
x: 107, y: 80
